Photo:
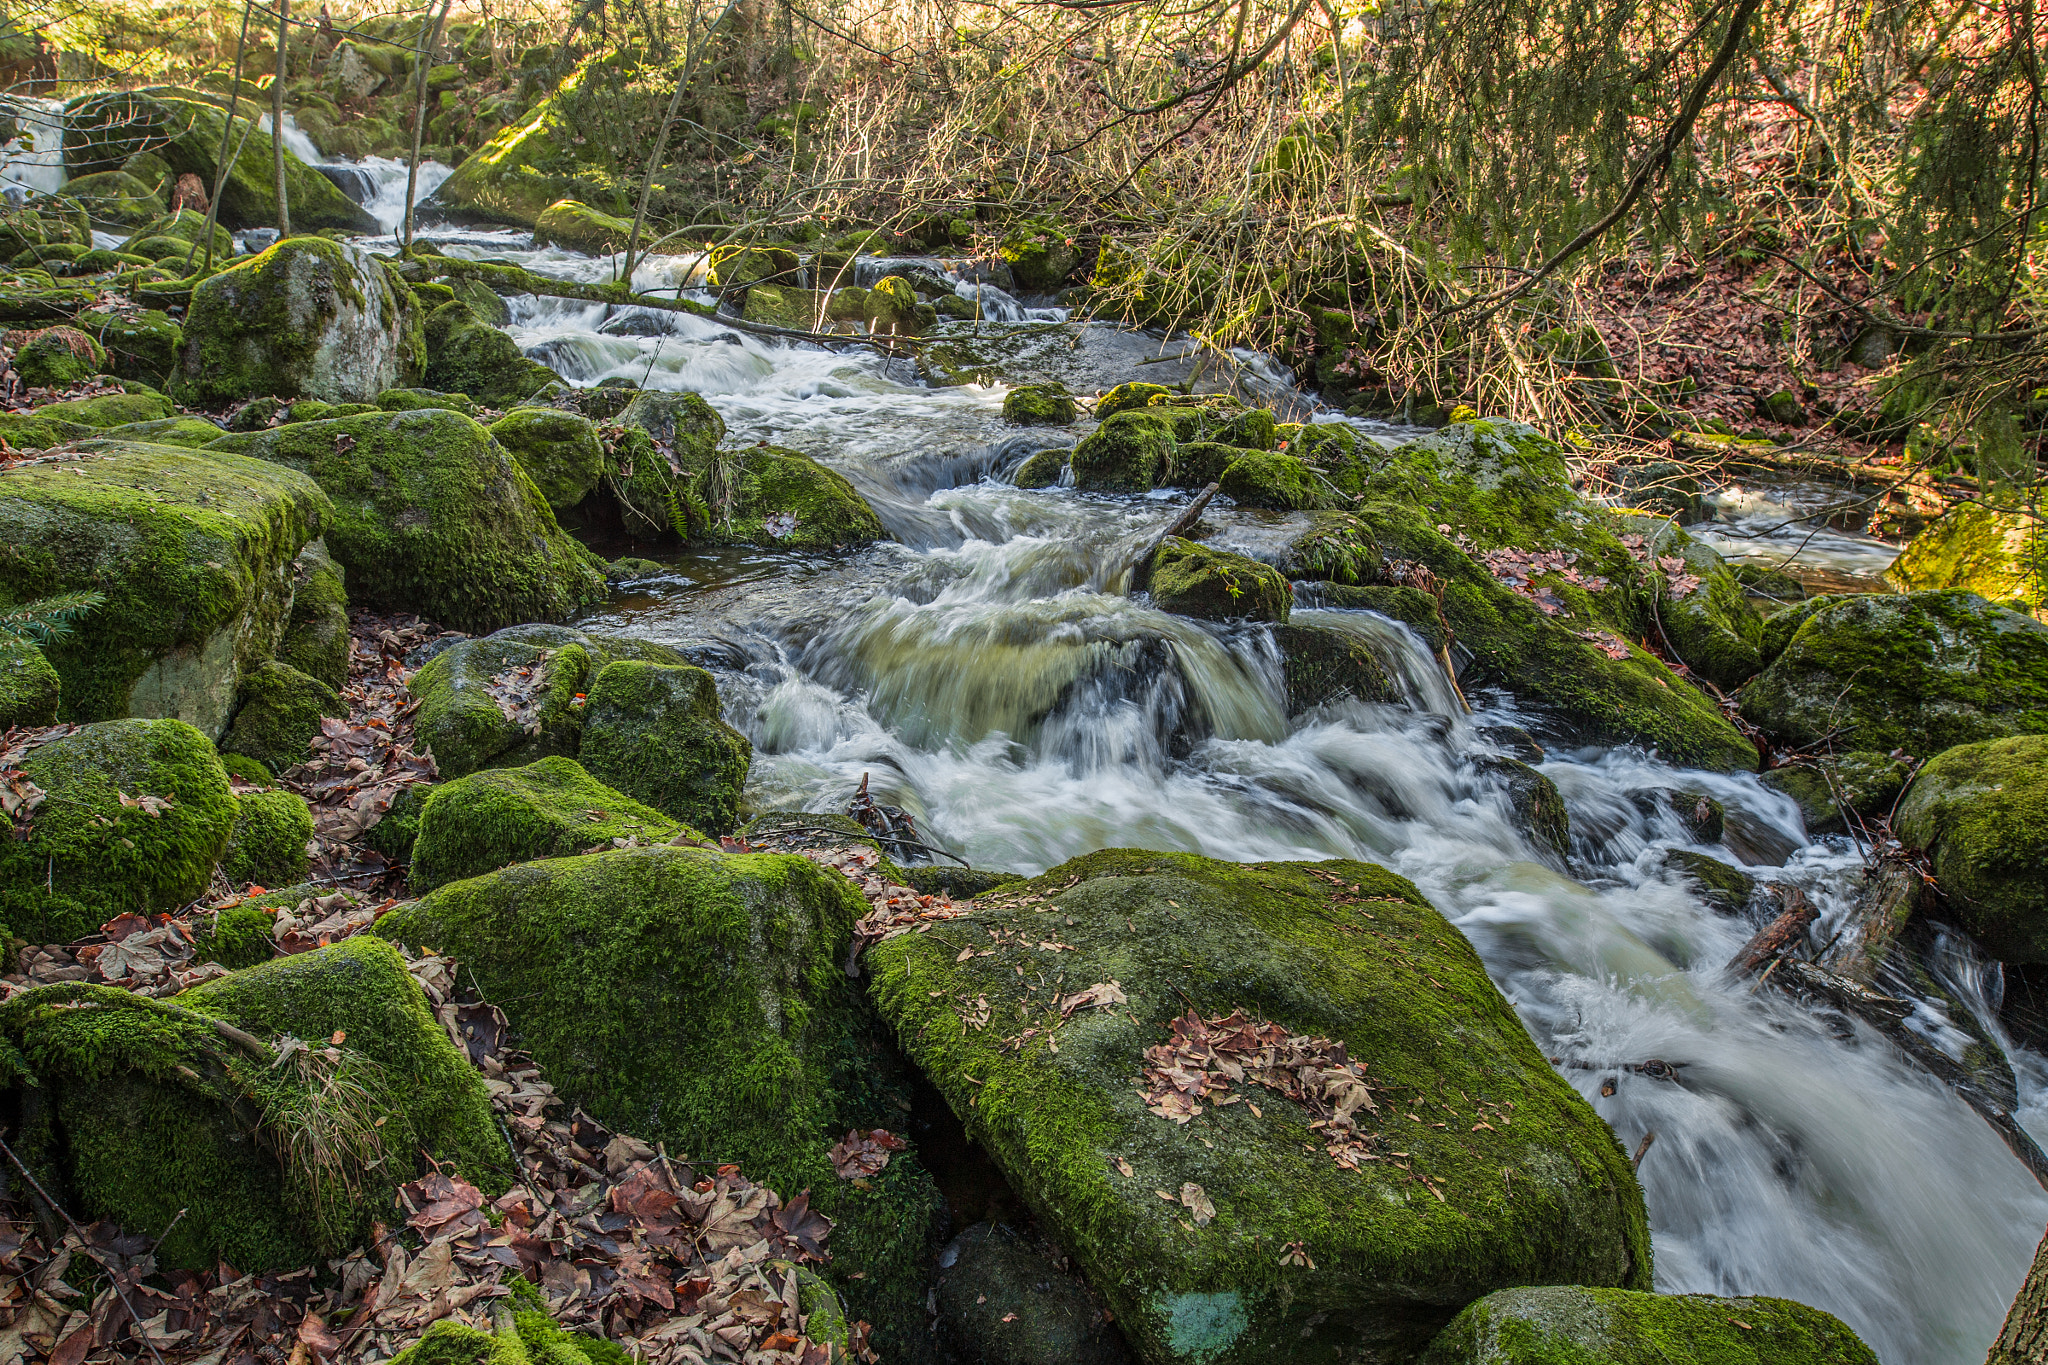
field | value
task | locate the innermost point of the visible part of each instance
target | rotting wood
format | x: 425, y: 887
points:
x: 1891, y: 893
x: 1781, y: 934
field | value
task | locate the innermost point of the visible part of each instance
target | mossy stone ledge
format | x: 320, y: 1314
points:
x: 1574, y: 1325
x: 1522, y: 1182
x: 465, y: 354
x: 433, y: 515
x: 2001, y: 556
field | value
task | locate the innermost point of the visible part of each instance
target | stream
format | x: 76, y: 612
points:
x: 983, y: 673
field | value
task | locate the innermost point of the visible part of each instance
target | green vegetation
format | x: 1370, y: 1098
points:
x: 1575, y: 1326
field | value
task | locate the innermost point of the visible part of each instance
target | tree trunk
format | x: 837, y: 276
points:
x: 284, y: 208
x: 2024, y: 1338
x: 1890, y: 895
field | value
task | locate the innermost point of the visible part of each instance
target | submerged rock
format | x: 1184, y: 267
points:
x: 193, y: 550
x: 1726, y: 890
x: 500, y: 816
x: 653, y: 731
x: 1980, y: 811
x: 1238, y: 1235
x: 1556, y: 1324
x: 150, y: 1118
x: 138, y: 813
x: 1922, y: 672
x: 700, y: 1000
x: 307, y: 318
x: 432, y: 515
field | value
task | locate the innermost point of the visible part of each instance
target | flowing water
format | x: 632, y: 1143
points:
x: 987, y: 672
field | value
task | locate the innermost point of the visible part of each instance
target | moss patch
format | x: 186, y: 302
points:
x: 467, y: 355
x: 559, y: 451
x: 2000, y: 556
x: 268, y: 846
x: 1867, y: 783
x: 1129, y: 453
x: 1039, y: 405
x: 1981, y: 811
x: 29, y: 687
x: 280, y: 714
x: 1570, y: 1325
x: 1194, y: 580
x: 653, y: 732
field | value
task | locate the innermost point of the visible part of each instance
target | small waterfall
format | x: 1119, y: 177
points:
x: 33, y: 163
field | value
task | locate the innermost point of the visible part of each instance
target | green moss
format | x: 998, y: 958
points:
x: 307, y: 318
x: 1571, y: 1325
x: 738, y: 267
x: 1128, y: 453
x: 892, y: 305
x: 1039, y: 405
x: 192, y: 550
x: 1321, y: 664
x: 412, y: 400
x: 501, y: 816
x: 465, y: 354
x: 1981, y: 812
x: 653, y: 732
x: 89, y: 856
x: 57, y: 358
x: 29, y: 686
x: 580, y: 227
x: 1922, y: 672
x: 187, y: 226
x: 1194, y: 580
x: 1040, y: 254
x: 115, y: 199
x: 191, y: 433
x: 448, y: 1342
x: 1547, y: 1195
x: 24, y: 431
x: 559, y: 451
x: 1124, y: 397
x: 279, y: 715
x: 1534, y: 801
x: 268, y: 846
x: 433, y: 515
x: 1867, y: 783
x: 1713, y: 628
x: 783, y: 305
x: 239, y: 938
x: 395, y: 834
x: 1253, y: 429
x: 1273, y: 479
x: 313, y: 410
x: 1043, y: 470
x: 316, y: 640
x: 1197, y: 464
x: 2000, y: 556
x: 247, y: 769
x: 109, y: 409
x: 700, y: 1000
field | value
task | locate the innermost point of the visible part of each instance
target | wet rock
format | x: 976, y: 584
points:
x: 1043, y: 470
x: 181, y: 1160
x: 631, y: 569
x: 1040, y: 254
x: 268, y: 846
x: 1702, y: 818
x: 500, y: 816
x: 1725, y: 889
x: 1039, y: 405
x: 892, y: 306
x: 1513, y: 740
x: 1980, y: 811
x: 579, y: 227
x: 29, y: 687
x: 1003, y: 1301
x: 1189, y: 579
x: 316, y: 639
x: 280, y: 713
x: 1196, y: 464
x: 1273, y: 479
x: 1867, y: 783
x: 1702, y: 608
x: 432, y: 515
x: 653, y: 731
x: 466, y: 355
x: 1128, y: 453
x: 1922, y: 672
x: 737, y: 267
x: 559, y: 451
x: 97, y: 847
x: 1535, y: 802
x: 193, y: 550
x: 1557, y: 1323
x: 1754, y: 841
x: 1977, y: 548
x: 307, y: 318
x: 667, y: 990
x: 1125, y: 397
x: 1323, y: 664
x: 1289, y: 943
x: 55, y: 357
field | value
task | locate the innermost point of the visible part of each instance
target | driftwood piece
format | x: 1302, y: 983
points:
x: 1891, y: 893
x: 1788, y: 930
x: 1140, y: 569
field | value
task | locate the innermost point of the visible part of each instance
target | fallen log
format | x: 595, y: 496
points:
x: 1140, y: 568
x: 1891, y: 893
x: 1786, y: 931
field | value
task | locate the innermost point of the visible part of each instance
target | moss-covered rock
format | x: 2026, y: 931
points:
x: 2000, y: 556
x: 1004, y: 1299
x: 243, y: 768
x: 465, y: 354
x: 653, y: 731
x: 1189, y: 579
x: 1129, y: 453
x: 579, y: 227
x: 559, y: 451
x: 29, y: 687
x: 268, y: 846
x: 1726, y: 890
x: 1534, y: 802
x: 1922, y: 672
x: 1702, y: 608
x: 240, y: 937
x: 116, y: 199
x: 279, y: 715
x: 187, y: 226
x: 191, y: 433
x: 193, y: 550
x: 701, y: 1001
x: 1043, y: 470
x: 1272, y: 479
x: 26, y: 431
x: 1867, y: 783
x: 1039, y: 405
x: 108, y: 410
x: 1571, y: 1325
x: 149, y: 1117
x: 412, y: 400
x: 97, y: 846
x: 56, y: 357
x: 527, y: 166
x: 892, y: 306
x: 500, y: 816
x: 1124, y: 397
x: 316, y: 639
x: 1393, y: 1246
x: 734, y: 266
x: 1981, y: 812
x: 308, y: 318
x: 433, y: 515
x: 1040, y: 254
x: 1320, y: 664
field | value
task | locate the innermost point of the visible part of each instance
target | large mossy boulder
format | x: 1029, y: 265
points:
x: 150, y: 1118
x: 1238, y: 1234
x: 1921, y: 672
x: 433, y: 515
x: 579, y: 227
x: 700, y: 1000
x: 268, y: 846
x: 1040, y: 254
x: 308, y: 318
x: 56, y: 357
x: 1039, y: 405
x: 466, y: 355
x: 1324, y: 663
x: 279, y: 715
x: 527, y: 166
x: 143, y: 346
x: 1980, y: 811
x: 653, y: 731
x: 1129, y: 453
x: 1573, y: 1325
x: 137, y: 813
x: 501, y: 816
x: 105, y: 411
x: 1188, y: 579
x: 560, y: 452
x: 29, y: 687
x: 316, y: 640
x: 464, y: 692
x: 103, y: 131
x: 2001, y: 556
x: 115, y: 199
x: 193, y: 550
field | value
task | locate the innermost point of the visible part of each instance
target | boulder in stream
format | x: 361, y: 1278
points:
x: 308, y: 318
x: 559, y: 451
x: 1998, y: 555
x: 1572, y: 1325
x: 653, y: 731
x: 467, y: 355
x: 1128, y: 453
x: 1868, y: 784
x: 1921, y: 672
x: 579, y: 227
x: 1039, y: 405
x: 1144, y: 1090
x: 1980, y: 811
x: 1189, y: 579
